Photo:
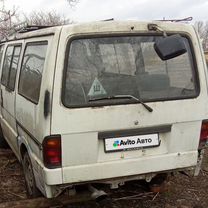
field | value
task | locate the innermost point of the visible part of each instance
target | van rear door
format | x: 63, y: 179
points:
x: 106, y: 132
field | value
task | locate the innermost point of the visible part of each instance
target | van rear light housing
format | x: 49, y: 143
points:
x: 204, y: 134
x: 52, y: 151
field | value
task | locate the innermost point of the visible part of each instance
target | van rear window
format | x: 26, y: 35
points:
x: 110, y: 66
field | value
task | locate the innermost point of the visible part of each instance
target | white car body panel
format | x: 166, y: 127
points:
x: 83, y: 153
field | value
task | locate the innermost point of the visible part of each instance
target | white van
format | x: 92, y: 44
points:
x: 103, y: 102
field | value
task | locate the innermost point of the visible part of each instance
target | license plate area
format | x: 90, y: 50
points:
x: 125, y: 143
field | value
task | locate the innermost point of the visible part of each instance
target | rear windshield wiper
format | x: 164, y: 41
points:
x: 123, y: 97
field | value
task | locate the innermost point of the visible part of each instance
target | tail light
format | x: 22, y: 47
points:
x: 52, y: 151
x: 204, y: 134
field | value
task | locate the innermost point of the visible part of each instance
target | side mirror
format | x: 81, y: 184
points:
x: 170, y: 47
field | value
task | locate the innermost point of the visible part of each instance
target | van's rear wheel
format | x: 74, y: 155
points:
x: 3, y: 143
x: 32, y: 190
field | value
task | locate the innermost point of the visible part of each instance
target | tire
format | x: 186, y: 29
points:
x: 3, y: 143
x: 32, y: 190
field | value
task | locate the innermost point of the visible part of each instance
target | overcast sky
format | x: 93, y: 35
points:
x: 88, y: 10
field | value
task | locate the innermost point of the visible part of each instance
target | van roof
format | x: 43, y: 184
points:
x: 98, y: 26
x: 34, y: 33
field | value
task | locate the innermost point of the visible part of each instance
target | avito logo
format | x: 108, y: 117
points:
x: 119, y: 143
x: 116, y: 143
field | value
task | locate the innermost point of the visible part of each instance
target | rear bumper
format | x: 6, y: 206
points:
x: 121, y: 168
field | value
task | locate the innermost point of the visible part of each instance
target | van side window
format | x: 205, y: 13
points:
x: 13, y: 69
x: 10, y: 65
x: 1, y: 52
x: 31, y: 70
x: 6, y: 65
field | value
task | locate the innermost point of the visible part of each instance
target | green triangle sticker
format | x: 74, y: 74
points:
x: 96, y: 88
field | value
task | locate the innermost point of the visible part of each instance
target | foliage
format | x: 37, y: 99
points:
x: 10, y: 18
x: 46, y: 18
x: 7, y: 19
x: 72, y: 2
x: 202, y: 29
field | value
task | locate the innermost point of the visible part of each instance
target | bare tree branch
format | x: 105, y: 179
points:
x: 7, y: 19
x: 72, y: 2
x: 10, y: 18
x: 202, y: 29
x: 50, y: 18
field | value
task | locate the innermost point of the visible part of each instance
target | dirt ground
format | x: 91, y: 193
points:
x: 182, y: 191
